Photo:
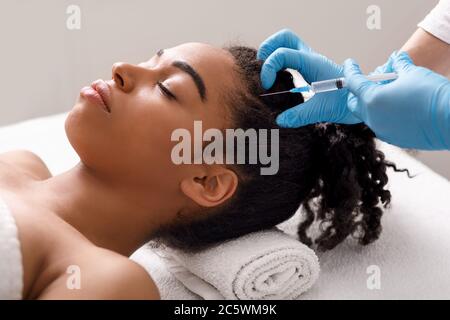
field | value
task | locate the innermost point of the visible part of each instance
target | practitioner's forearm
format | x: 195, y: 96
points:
x: 428, y: 51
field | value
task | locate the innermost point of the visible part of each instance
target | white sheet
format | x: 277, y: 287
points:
x: 412, y: 253
x: 44, y: 136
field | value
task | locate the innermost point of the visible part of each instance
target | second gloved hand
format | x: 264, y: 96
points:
x: 411, y: 112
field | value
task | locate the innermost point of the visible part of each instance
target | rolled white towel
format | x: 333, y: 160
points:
x: 262, y: 265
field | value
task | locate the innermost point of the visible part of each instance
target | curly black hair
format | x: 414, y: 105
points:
x: 335, y: 171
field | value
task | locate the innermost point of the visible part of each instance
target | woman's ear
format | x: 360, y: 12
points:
x: 212, y: 189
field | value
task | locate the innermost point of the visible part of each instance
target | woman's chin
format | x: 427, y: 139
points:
x: 84, y: 132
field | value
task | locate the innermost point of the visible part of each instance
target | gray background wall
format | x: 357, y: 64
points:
x: 44, y: 65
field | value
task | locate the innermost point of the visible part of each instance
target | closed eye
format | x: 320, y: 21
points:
x: 166, y: 91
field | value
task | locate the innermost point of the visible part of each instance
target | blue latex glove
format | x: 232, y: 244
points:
x: 411, y: 112
x: 286, y: 50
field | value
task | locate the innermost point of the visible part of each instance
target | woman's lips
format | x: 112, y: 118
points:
x: 98, y: 93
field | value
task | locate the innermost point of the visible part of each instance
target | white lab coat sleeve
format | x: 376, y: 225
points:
x: 437, y: 22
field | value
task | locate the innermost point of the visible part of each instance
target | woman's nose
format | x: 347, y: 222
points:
x: 123, y: 76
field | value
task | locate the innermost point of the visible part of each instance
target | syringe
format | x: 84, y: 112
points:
x: 334, y: 84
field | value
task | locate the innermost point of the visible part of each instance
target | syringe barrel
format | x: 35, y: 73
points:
x: 328, y: 85
x: 339, y: 83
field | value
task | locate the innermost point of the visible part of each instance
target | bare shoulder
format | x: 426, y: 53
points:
x: 134, y: 282
x: 106, y: 275
x: 28, y: 162
x: 129, y: 280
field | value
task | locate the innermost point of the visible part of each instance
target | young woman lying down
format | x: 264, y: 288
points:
x: 126, y: 190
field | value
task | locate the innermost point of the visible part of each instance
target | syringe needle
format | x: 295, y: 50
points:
x: 274, y: 93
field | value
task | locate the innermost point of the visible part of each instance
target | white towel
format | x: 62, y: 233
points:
x: 11, y: 281
x: 261, y: 265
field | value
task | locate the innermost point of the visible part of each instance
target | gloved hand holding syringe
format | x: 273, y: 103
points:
x: 411, y: 112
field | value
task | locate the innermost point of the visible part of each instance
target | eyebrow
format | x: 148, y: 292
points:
x: 184, y: 66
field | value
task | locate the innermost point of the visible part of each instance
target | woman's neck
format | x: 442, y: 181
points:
x: 109, y: 215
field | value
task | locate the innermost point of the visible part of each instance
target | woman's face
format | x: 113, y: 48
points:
x: 132, y: 144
